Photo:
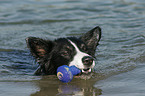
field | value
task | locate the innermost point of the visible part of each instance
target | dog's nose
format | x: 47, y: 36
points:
x: 87, y: 60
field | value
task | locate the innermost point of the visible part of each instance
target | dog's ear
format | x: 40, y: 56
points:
x: 92, y: 38
x: 39, y: 47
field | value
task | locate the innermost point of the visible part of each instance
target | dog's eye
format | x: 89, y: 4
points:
x: 65, y: 53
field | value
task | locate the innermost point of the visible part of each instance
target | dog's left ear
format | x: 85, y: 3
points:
x: 92, y: 38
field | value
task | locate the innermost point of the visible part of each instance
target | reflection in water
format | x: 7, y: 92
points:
x: 51, y: 86
x: 78, y: 90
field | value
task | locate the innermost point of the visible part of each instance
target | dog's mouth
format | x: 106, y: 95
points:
x: 86, y: 71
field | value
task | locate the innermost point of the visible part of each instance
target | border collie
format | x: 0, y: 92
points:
x: 70, y: 51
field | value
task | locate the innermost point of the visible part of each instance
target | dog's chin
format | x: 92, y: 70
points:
x: 85, y: 74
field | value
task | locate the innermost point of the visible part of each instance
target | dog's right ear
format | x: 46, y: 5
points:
x: 92, y: 38
x: 39, y: 47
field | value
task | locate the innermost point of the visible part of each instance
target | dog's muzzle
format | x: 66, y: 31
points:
x: 87, y: 61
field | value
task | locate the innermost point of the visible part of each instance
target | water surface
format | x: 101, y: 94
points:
x: 120, y: 62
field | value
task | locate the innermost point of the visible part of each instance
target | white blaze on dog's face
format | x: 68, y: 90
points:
x: 78, y: 59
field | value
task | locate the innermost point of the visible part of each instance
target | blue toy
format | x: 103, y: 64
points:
x: 66, y: 73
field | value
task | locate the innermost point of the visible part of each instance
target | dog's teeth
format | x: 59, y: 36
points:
x: 90, y: 70
x: 87, y: 71
x: 83, y: 71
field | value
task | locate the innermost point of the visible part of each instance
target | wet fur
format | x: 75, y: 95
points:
x: 52, y: 54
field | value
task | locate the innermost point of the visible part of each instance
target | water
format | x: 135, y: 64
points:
x: 120, y: 63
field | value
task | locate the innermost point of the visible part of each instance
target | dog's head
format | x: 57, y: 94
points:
x: 79, y: 52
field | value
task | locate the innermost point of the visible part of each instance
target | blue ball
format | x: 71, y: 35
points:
x: 64, y: 74
x: 75, y: 70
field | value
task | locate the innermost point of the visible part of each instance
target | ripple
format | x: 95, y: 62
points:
x: 137, y: 41
x: 37, y: 21
x: 16, y: 62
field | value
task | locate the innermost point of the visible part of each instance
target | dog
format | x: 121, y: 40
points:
x: 71, y: 51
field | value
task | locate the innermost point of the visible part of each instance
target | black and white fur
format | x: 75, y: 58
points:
x: 70, y: 51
